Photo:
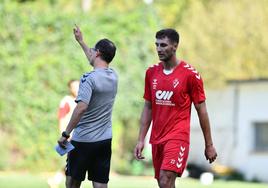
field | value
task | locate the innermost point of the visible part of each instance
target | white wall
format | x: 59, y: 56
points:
x: 232, y: 128
x: 253, y: 103
x: 220, y: 108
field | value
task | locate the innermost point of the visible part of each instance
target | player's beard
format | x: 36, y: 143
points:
x: 166, y: 58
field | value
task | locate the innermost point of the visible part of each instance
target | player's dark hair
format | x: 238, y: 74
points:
x: 171, y: 34
x: 107, y: 49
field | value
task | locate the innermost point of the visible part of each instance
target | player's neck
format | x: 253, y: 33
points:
x: 171, y: 64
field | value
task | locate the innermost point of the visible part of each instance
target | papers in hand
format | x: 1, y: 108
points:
x: 62, y: 151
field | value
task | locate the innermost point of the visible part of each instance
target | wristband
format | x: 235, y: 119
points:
x: 64, y: 134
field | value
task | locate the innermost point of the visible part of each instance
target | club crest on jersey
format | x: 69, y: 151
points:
x: 154, y: 83
x: 175, y: 83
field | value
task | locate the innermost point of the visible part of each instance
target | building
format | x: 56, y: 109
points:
x: 239, y: 119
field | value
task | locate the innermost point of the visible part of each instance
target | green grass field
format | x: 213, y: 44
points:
x: 20, y: 180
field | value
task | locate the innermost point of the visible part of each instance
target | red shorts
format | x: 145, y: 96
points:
x: 170, y: 155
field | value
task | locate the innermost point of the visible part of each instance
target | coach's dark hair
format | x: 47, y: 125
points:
x: 107, y: 49
x: 171, y: 34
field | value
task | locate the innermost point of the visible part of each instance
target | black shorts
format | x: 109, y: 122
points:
x: 93, y: 158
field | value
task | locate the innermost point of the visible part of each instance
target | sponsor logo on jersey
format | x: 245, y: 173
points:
x: 163, y: 98
x: 165, y: 95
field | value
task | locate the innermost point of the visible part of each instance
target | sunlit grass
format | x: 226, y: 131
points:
x: 20, y: 180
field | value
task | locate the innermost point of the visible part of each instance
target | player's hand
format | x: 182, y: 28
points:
x: 210, y: 153
x: 78, y: 34
x: 62, y: 142
x: 138, y: 151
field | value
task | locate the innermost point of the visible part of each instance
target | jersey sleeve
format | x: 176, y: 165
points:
x: 196, y: 88
x: 147, y: 88
x: 86, y: 87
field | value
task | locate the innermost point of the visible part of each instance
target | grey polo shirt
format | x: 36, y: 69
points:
x: 98, y: 89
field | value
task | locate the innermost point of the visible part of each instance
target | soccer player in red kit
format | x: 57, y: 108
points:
x: 171, y: 86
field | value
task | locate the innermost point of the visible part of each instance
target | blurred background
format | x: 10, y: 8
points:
x: 225, y: 40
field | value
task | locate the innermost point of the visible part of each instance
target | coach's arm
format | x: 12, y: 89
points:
x: 78, y: 112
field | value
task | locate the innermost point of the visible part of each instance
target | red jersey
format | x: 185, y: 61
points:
x: 171, y: 97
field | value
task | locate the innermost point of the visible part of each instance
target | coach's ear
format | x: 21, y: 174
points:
x: 98, y: 53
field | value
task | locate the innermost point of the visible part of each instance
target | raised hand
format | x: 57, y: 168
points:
x: 78, y: 34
